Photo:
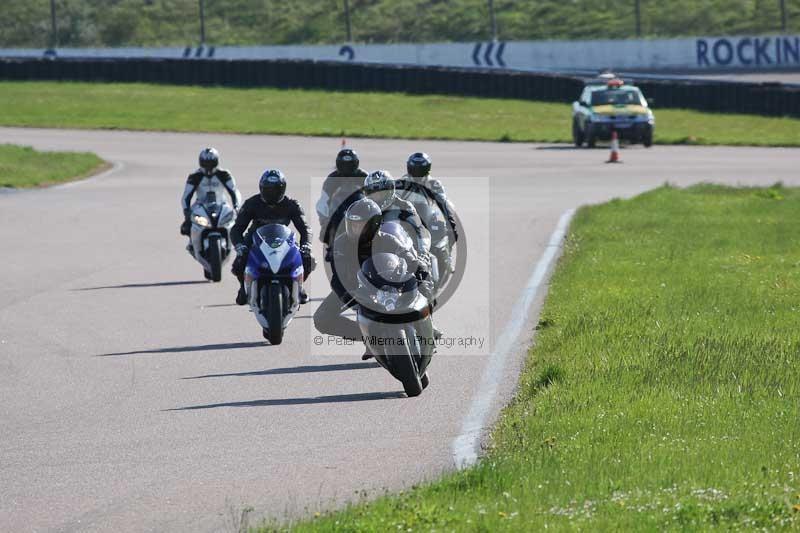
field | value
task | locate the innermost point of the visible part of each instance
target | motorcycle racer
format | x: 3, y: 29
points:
x: 270, y: 206
x: 340, y: 189
x: 208, y: 178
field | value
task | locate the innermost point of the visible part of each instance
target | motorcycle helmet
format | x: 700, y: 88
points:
x: 272, y: 186
x: 347, y: 162
x: 380, y: 187
x: 387, y: 272
x: 209, y: 160
x: 418, y: 165
x: 362, y: 219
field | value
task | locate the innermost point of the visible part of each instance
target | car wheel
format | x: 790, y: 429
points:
x: 591, y: 140
x: 577, y: 134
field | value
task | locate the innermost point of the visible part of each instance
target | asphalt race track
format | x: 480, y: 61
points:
x: 135, y: 396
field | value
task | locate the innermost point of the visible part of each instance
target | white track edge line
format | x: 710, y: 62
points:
x: 115, y: 167
x: 466, y: 445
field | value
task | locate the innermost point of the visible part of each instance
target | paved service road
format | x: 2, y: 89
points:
x: 136, y: 397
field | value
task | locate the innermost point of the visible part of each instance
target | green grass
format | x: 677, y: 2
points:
x: 159, y: 107
x: 22, y: 166
x: 175, y: 22
x: 663, y: 391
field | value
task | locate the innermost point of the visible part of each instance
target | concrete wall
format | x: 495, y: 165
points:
x: 700, y: 54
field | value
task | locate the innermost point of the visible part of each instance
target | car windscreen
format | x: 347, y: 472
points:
x: 616, y: 97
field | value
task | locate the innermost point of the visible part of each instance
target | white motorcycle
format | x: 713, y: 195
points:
x: 210, y: 243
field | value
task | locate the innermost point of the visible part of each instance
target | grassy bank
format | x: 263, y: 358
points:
x: 125, y: 22
x: 156, y: 107
x: 22, y: 166
x: 664, y: 388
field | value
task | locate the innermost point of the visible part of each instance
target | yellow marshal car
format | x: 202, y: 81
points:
x: 609, y: 105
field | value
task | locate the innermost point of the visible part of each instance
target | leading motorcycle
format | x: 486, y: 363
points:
x: 395, y: 320
x: 273, y: 277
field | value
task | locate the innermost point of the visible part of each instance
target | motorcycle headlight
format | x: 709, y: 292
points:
x: 200, y: 220
x: 387, y: 298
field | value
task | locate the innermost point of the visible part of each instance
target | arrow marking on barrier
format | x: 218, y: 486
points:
x: 499, y: 55
x: 487, y: 56
x: 475, y: 54
x: 348, y: 51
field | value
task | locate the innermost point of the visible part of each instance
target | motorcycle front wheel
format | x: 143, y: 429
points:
x: 272, y: 307
x: 215, y: 258
x: 405, y: 367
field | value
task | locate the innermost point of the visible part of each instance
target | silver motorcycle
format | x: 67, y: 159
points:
x: 395, y: 320
x: 210, y: 242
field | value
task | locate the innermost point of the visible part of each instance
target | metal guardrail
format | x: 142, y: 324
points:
x: 703, y: 95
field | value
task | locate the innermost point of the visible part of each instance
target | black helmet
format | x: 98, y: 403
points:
x: 347, y: 162
x: 362, y: 219
x: 209, y: 159
x: 380, y: 187
x: 272, y: 186
x: 418, y: 165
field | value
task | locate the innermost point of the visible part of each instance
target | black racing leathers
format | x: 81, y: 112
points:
x: 338, y: 192
x: 256, y: 213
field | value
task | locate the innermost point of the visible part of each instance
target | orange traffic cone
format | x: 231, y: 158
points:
x: 344, y: 142
x: 614, y: 157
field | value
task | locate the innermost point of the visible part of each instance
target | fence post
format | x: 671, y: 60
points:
x: 347, y: 21
x: 202, y: 23
x: 783, y: 16
x: 493, y: 20
x: 53, y: 25
x: 638, y: 18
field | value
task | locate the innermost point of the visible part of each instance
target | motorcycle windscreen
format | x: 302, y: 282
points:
x: 273, y: 235
x: 275, y: 252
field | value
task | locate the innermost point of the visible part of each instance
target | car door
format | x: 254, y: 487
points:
x: 582, y: 109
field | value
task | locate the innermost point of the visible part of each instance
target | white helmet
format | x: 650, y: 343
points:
x: 379, y: 187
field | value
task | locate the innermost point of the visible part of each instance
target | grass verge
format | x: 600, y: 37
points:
x: 663, y: 392
x: 22, y: 166
x: 302, y: 112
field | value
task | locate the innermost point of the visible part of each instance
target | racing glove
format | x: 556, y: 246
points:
x: 426, y: 288
x: 186, y: 227
x: 240, y: 262
x: 309, y: 263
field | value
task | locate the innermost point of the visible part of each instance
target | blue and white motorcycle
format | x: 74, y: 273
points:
x: 273, y: 278
x: 210, y: 242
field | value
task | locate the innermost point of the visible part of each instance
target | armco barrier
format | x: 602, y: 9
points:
x: 753, y: 98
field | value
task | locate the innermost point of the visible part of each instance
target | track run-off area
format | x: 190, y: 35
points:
x: 135, y: 395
